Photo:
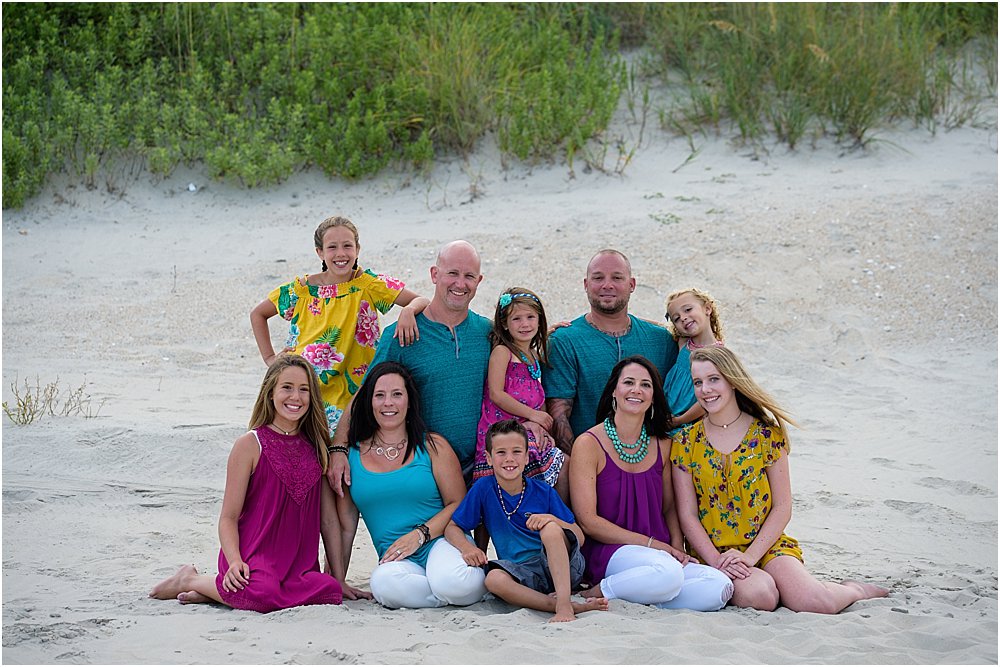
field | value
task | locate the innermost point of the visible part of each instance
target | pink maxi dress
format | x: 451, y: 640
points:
x: 279, y: 529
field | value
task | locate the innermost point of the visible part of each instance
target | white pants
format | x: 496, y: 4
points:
x: 447, y: 580
x: 650, y: 576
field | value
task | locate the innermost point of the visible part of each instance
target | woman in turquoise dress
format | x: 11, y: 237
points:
x: 405, y: 484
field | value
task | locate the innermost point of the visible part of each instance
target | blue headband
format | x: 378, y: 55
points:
x: 505, y: 299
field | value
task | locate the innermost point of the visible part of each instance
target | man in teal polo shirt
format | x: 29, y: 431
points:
x: 448, y: 362
x: 582, y: 354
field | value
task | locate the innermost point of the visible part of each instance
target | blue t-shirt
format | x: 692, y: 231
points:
x: 392, y: 503
x: 581, y: 359
x: 449, y: 371
x: 513, y: 540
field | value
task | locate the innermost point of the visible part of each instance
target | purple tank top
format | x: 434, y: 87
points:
x: 632, y: 500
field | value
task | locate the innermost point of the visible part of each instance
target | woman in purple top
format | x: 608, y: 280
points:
x: 622, y: 496
x: 275, y: 506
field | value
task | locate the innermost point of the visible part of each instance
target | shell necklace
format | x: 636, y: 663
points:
x: 503, y: 505
x: 691, y: 345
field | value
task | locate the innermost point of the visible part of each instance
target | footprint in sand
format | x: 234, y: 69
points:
x: 938, y: 514
x: 897, y: 465
x: 958, y: 486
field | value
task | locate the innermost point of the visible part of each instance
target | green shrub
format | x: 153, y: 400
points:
x: 257, y: 91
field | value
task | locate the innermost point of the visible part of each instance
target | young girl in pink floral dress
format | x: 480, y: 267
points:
x: 333, y: 315
x: 514, y: 386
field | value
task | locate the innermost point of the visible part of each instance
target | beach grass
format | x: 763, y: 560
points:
x: 255, y: 92
x: 842, y: 69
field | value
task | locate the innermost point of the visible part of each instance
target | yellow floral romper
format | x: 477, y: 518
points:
x: 336, y: 328
x: 734, y: 496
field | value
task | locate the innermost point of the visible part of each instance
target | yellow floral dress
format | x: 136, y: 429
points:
x: 734, y: 496
x: 336, y: 328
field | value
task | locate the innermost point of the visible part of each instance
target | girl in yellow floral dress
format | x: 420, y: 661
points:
x: 734, y: 497
x: 333, y: 315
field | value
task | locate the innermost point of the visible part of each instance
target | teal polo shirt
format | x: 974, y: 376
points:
x: 450, y: 372
x: 581, y: 360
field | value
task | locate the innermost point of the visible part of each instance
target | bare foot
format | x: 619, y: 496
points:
x: 192, y: 597
x: 171, y: 587
x: 593, y: 592
x: 564, y: 612
x: 591, y: 604
x: 868, y: 591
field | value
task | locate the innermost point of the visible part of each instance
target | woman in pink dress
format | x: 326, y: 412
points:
x: 275, y: 506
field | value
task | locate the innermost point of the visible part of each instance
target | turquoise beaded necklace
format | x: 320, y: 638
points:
x: 642, y: 443
x: 534, y: 368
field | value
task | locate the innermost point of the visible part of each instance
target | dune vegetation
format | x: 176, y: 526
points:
x: 255, y: 92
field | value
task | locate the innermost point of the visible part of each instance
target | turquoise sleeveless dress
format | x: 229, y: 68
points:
x: 392, y: 503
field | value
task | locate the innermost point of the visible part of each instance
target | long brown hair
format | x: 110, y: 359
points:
x: 363, y: 423
x: 313, y: 425
x: 500, y: 335
x: 750, y: 396
x: 657, y: 417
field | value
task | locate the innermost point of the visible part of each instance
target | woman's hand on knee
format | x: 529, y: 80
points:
x: 735, y: 564
x: 403, y: 548
x: 237, y: 577
x: 682, y: 557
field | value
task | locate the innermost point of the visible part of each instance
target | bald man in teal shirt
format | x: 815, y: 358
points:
x: 448, y: 361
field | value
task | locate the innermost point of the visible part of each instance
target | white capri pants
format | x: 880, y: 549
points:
x: 447, y: 580
x: 650, y: 576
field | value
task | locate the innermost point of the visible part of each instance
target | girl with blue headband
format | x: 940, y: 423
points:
x: 514, y: 385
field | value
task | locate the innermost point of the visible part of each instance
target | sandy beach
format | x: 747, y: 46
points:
x: 860, y: 287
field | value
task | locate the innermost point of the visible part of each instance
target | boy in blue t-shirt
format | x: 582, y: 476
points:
x: 535, y: 534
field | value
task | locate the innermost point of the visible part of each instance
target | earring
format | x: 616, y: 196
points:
x: 614, y: 404
x: 652, y: 411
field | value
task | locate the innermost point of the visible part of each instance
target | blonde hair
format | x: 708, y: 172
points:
x: 313, y: 425
x: 749, y: 395
x: 706, y: 299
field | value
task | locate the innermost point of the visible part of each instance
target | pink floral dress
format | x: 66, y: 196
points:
x: 336, y: 328
x: 543, y: 461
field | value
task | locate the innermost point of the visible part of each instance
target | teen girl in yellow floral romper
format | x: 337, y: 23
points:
x: 734, y: 497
